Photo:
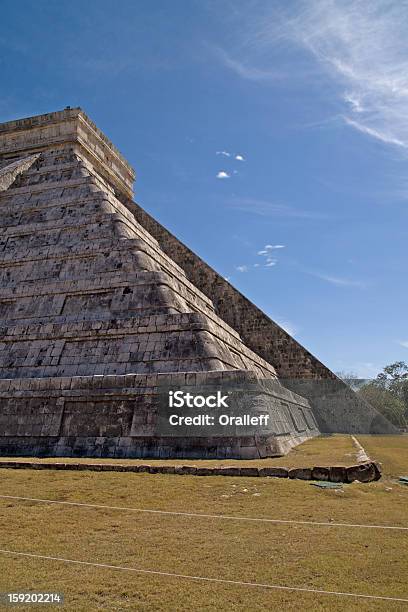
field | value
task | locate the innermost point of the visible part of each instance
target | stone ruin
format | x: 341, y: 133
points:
x: 101, y: 308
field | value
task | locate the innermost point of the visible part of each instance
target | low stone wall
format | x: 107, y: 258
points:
x: 366, y: 472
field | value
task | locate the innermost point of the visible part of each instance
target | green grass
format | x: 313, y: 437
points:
x: 330, y: 558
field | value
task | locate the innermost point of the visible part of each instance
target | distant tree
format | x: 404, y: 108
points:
x: 385, y: 402
x: 388, y: 393
x: 345, y: 375
x: 351, y: 379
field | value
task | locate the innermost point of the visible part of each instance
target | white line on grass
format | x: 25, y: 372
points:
x: 202, y: 578
x: 197, y: 515
x: 362, y: 454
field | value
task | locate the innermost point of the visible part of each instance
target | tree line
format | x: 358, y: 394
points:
x: 388, y: 392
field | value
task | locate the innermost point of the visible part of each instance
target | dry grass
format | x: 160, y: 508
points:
x: 390, y: 451
x: 356, y: 560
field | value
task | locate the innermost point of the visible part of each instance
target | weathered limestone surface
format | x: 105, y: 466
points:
x: 10, y: 171
x: 95, y: 317
x: 336, y: 407
x: 116, y: 416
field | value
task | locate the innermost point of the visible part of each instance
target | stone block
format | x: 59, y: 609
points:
x: 249, y: 471
x: 320, y: 473
x: 167, y: 469
x: 144, y: 468
x: 300, y: 473
x: 204, y: 471
x: 276, y: 472
x: 227, y: 471
x: 366, y: 472
x: 185, y: 470
x: 338, y: 474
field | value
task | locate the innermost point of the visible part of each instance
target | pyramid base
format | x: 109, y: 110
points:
x: 149, y: 448
x: 116, y: 416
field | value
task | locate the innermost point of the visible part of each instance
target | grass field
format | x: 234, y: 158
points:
x: 322, y: 557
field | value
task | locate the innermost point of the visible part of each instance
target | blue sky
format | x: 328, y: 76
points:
x: 312, y: 95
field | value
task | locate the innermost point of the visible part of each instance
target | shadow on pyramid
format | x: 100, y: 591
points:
x: 103, y: 313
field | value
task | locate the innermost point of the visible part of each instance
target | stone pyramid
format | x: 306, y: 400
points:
x: 101, y: 308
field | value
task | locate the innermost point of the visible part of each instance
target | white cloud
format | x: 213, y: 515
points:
x: 245, y: 70
x: 364, y: 48
x: 361, y: 45
x: 223, y: 175
x: 268, y: 262
x: 223, y: 153
x: 266, y: 252
x: 403, y: 343
x: 240, y: 158
x: 375, y: 133
x: 271, y: 261
x: 354, y: 102
x: 339, y: 281
x: 265, y: 208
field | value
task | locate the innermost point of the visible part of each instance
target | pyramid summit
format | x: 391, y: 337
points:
x: 103, y: 311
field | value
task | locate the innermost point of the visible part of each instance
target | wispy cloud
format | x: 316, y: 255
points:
x: 339, y: 281
x: 266, y: 253
x: 266, y: 208
x: 223, y: 175
x: 362, y: 46
x: 365, y: 46
x: 387, y: 138
x: 267, y: 260
x: 244, y: 69
x: 403, y: 343
x: 225, y: 153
